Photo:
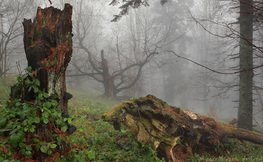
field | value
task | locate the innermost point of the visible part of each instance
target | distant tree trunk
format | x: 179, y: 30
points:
x: 108, y: 80
x: 48, y: 47
x: 245, y: 110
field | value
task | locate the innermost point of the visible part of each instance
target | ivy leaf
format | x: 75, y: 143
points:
x: 30, y: 74
x: 64, y: 128
x: 91, y: 155
x: 36, y: 89
x: 18, y: 104
x: 29, y: 89
x: 45, y: 120
x: 37, y: 147
x: 13, y: 131
x: 15, y: 138
x: 25, y: 106
x: 30, y: 120
x: 47, y: 104
x: 37, y: 120
x: 49, y: 152
x: 32, y: 129
x: 40, y: 96
x: 19, y: 78
x: 2, y: 123
x: 54, y: 103
x: 59, y: 122
x: 46, y: 95
x: 44, y: 149
x: 53, y: 146
x: 29, y: 68
x: 25, y: 129
x: 37, y: 82
x: 29, y: 148
x: 24, y: 123
x: 28, y: 153
x: 21, y: 144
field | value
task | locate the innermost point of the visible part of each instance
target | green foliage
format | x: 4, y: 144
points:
x: 94, y: 140
x: 5, y: 85
x: 235, y: 150
x: 21, y: 120
x: 100, y: 142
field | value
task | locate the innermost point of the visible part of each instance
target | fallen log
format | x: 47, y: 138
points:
x: 152, y: 121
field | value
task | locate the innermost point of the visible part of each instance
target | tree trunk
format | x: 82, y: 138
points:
x: 108, y: 80
x: 154, y: 122
x: 48, y: 47
x: 109, y: 88
x: 245, y: 110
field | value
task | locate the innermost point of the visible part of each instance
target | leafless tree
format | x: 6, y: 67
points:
x: 120, y: 67
x: 12, y: 13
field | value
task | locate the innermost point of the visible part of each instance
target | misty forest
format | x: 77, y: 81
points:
x: 131, y: 80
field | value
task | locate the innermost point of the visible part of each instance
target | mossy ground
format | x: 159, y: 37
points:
x: 96, y: 140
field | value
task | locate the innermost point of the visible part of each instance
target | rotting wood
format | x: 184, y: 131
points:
x: 48, y: 47
x: 152, y: 121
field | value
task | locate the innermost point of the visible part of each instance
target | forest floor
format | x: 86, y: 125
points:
x: 96, y: 140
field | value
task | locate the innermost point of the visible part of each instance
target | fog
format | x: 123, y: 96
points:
x: 202, y: 31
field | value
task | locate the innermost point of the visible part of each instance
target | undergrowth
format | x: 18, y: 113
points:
x: 31, y: 129
x: 234, y: 150
x: 95, y: 140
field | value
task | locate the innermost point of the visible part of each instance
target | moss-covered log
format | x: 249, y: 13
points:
x: 154, y: 122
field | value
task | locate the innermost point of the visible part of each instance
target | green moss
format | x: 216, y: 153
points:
x: 68, y: 38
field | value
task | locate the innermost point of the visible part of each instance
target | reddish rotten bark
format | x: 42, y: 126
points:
x: 48, y: 47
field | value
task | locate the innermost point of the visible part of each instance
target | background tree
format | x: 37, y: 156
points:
x: 12, y: 13
x: 120, y: 67
x: 175, y: 15
x: 245, y: 35
x: 245, y: 110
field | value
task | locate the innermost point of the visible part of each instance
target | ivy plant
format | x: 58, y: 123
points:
x: 21, y: 122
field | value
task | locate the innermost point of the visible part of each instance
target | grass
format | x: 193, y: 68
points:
x: 5, y: 87
x: 96, y: 140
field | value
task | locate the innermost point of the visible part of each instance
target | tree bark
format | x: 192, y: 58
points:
x: 245, y: 110
x: 154, y: 122
x: 108, y: 80
x: 48, y: 47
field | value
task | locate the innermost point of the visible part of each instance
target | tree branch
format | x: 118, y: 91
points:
x: 196, y: 63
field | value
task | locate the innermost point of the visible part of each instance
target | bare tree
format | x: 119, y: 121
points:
x: 120, y: 67
x: 250, y: 14
x: 12, y: 13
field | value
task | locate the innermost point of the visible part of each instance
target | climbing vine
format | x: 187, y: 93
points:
x: 22, y: 120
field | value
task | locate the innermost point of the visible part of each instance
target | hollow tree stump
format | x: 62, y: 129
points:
x: 153, y: 121
x: 48, y: 47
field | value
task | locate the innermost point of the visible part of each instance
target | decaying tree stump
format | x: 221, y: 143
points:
x: 48, y: 47
x: 152, y: 121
